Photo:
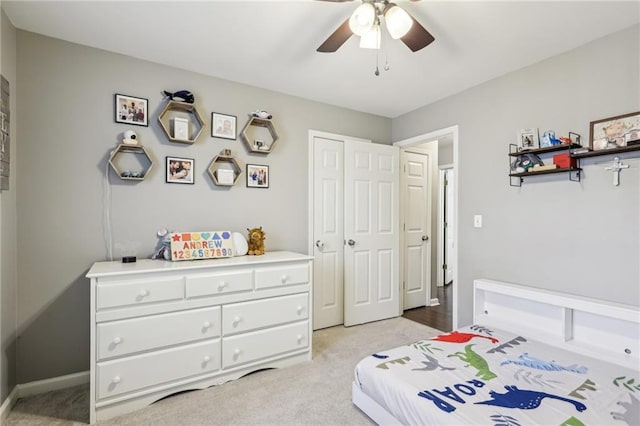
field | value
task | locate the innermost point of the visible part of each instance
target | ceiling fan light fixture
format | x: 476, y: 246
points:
x: 371, y: 39
x: 398, y: 21
x: 362, y: 19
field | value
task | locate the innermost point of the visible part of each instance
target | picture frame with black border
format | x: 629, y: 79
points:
x: 131, y: 110
x: 257, y: 176
x: 180, y: 170
x: 223, y: 126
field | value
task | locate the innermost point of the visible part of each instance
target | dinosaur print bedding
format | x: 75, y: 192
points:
x: 483, y: 376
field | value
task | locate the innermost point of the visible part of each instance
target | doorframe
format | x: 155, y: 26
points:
x: 427, y: 137
x: 440, y: 241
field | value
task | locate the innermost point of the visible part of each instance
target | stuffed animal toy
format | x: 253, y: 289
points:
x: 181, y: 95
x: 256, y: 241
x: 163, y: 250
x: 262, y: 114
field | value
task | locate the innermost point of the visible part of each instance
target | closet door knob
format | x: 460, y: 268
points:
x: 425, y: 238
x: 319, y: 244
x: 351, y: 243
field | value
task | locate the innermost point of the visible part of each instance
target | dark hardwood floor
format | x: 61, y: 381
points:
x: 439, y: 317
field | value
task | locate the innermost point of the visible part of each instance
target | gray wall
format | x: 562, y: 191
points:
x: 66, y: 133
x: 8, y: 220
x: 581, y: 238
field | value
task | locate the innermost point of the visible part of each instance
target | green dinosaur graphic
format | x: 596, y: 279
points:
x: 572, y: 421
x: 476, y: 361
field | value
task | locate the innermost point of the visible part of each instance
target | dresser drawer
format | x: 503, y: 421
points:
x: 137, y: 372
x: 283, y: 275
x: 138, y: 292
x: 246, y: 316
x: 125, y: 337
x: 221, y: 283
x: 252, y: 346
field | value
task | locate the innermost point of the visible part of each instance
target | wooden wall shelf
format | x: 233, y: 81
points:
x: 224, y: 161
x: 176, y: 109
x: 251, y: 134
x: 612, y: 151
x: 138, y: 166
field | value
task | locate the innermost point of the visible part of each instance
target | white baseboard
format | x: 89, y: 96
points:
x: 8, y: 404
x: 434, y: 302
x: 54, y: 383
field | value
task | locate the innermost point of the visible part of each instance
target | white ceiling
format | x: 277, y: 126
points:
x: 271, y: 44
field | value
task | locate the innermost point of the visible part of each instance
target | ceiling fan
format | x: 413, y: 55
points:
x: 366, y: 21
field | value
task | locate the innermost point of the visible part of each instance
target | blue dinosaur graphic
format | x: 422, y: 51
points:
x: 528, y: 361
x: 524, y: 399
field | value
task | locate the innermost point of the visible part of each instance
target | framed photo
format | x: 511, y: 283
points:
x: 180, y: 170
x: 131, y: 110
x: 257, y: 176
x: 528, y: 139
x: 223, y: 126
x: 615, y: 132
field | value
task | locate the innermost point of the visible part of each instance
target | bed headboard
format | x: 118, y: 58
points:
x: 597, y: 328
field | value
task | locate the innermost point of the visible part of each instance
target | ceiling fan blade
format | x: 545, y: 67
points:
x: 417, y: 37
x: 336, y: 39
x: 340, y: 1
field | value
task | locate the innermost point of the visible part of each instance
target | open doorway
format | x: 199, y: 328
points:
x: 440, y: 308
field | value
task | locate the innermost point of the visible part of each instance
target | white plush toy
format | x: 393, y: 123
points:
x: 164, y: 245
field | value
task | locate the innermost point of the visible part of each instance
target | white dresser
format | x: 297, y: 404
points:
x: 160, y: 327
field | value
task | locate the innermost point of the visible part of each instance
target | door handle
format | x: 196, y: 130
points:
x: 319, y: 244
x: 425, y: 238
x: 351, y: 243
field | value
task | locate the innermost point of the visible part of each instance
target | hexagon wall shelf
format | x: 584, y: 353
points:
x: 225, y: 163
x: 130, y: 162
x: 259, y: 135
x: 185, y: 113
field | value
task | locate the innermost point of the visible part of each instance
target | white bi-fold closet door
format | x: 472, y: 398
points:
x: 354, y: 210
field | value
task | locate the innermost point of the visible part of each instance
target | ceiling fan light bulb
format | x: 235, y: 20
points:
x: 398, y: 22
x: 371, y: 39
x: 362, y: 19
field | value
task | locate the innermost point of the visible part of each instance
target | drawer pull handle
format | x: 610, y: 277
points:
x: 222, y: 285
x: 206, y: 324
x: 116, y: 380
x: 117, y: 340
x: 144, y: 293
x: 284, y: 279
x: 236, y: 320
x: 299, y: 337
x: 206, y: 358
x: 299, y: 310
x: 236, y: 352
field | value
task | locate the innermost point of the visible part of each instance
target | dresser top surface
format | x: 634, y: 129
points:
x: 104, y: 269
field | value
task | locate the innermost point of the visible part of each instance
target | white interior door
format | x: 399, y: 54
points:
x: 371, y: 232
x: 417, y: 225
x: 328, y: 232
x: 449, y: 258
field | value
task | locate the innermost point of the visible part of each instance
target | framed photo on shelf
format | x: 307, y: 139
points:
x: 528, y: 139
x: 180, y: 170
x: 131, y: 110
x: 223, y: 126
x: 615, y: 132
x: 257, y: 176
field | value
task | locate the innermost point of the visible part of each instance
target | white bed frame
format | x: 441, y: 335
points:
x: 605, y: 330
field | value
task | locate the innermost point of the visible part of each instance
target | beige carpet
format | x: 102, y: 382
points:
x: 312, y: 393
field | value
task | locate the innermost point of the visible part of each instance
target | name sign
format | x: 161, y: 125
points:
x: 201, y: 245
